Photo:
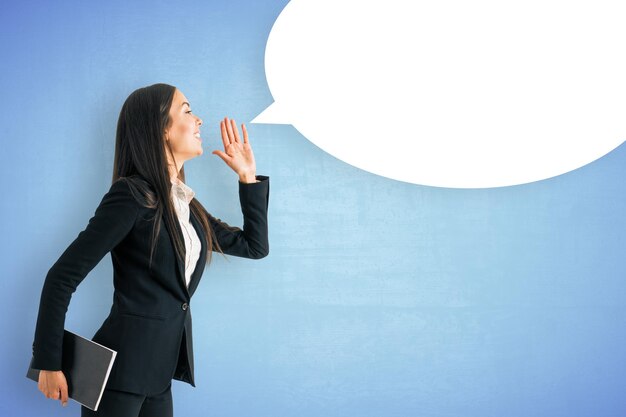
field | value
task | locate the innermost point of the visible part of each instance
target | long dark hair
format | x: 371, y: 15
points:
x: 140, y: 158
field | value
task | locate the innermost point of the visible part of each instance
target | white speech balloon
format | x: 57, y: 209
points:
x: 452, y: 93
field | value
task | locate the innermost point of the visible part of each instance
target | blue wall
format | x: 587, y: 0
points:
x: 379, y: 298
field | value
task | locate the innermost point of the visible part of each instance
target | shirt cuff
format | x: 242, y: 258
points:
x: 259, y: 179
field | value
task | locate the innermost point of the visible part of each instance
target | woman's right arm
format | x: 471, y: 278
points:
x: 113, y: 220
x: 251, y: 242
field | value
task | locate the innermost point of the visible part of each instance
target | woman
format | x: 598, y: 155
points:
x: 160, y: 238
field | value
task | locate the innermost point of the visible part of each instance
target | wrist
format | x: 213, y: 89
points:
x: 247, y: 178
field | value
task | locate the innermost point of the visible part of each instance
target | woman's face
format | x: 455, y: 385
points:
x: 183, y: 135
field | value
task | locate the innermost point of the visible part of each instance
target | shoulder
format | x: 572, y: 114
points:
x: 119, y: 189
x: 121, y: 195
x: 135, y: 188
x: 119, y: 192
x: 120, y: 185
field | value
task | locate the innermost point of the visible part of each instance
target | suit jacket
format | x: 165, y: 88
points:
x: 149, y: 324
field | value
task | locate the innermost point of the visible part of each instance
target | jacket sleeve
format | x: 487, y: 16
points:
x: 251, y: 242
x: 113, y: 220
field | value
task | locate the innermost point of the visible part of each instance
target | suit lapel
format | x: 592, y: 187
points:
x: 180, y: 263
x: 199, y: 268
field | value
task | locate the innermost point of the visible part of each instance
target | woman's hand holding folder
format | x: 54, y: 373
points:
x: 53, y: 385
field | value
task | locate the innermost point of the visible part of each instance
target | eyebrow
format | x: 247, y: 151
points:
x: 185, y: 103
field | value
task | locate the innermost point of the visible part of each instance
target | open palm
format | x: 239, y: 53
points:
x: 237, y: 154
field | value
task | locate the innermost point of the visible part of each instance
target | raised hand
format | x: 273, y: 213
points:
x: 237, y: 155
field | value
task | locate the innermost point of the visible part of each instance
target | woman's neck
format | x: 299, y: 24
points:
x: 173, y: 173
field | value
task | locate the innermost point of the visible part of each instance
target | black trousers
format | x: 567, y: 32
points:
x: 116, y: 403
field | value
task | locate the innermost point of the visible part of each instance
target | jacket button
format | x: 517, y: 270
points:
x: 184, y: 306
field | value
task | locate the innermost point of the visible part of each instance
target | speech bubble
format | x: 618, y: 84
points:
x: 452, y: 93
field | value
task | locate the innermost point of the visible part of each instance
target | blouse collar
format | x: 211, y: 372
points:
x: 182, y: 190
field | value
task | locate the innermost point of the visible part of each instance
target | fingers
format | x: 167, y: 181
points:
x: 235, y: 130
x: 51, y: 393
x: 53, y: 386
x: 229, y: 129
x: 64, y: 394
x: 225, y: 139
x: 222, y: 155
x: 245, y: 133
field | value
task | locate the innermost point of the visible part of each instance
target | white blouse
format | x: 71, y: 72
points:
x: 182, y: 194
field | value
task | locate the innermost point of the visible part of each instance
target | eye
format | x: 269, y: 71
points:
x: 188, y: 111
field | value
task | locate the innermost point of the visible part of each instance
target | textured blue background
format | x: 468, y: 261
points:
x: 378, y: 298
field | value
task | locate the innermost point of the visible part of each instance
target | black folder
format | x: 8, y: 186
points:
x: 86, y: 365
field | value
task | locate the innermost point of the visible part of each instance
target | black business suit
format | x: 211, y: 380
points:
x: 149, y: 324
